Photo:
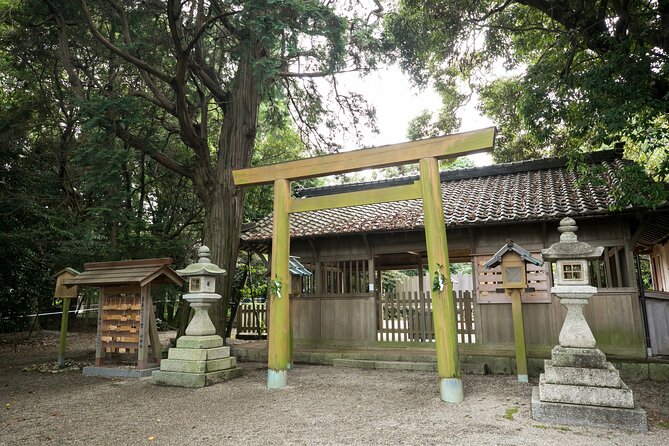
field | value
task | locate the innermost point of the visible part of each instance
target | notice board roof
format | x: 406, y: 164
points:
x: 127, y: 272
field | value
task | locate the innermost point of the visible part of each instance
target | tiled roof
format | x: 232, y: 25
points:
x: 523, y: 191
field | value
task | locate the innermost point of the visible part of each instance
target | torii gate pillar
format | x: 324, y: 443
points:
x: 443, y: 307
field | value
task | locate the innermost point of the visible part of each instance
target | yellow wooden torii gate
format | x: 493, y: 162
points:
x: 426, y: 152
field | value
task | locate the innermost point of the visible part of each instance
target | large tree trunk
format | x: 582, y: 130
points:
x: 224, y: 202
x: 221, y: 233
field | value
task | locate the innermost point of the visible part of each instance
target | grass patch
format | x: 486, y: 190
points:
x: 510, y: 413
x: 543, y: 426
x: 663, y: 424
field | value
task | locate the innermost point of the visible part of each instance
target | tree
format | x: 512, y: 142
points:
x: 201, y: 69
x: 587, y: 74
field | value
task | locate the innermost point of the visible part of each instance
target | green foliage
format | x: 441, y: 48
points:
x: 276, y: 141
x: 255, y: 286
x: 581, y: 75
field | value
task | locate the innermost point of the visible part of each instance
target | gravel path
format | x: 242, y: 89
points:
x: 322, y: 405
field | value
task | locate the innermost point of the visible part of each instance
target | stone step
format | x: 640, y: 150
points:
x: 211, y: 341
x: 178, y: 379
x: 574, y: 414
x: 199, y: 354
x: 478, y: 369
x: 580, y: 376
x: 186, y: 366
x: 586, y: 396
x: 592, y: 358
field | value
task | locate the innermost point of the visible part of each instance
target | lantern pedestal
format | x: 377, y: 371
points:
x: 579, y: 386
x: 199, y: 359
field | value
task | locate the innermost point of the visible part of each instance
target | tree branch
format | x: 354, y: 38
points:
x: 145, y: 146
x: 66, y: 58
x: 114, y: 49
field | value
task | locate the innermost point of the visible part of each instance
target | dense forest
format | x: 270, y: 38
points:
x: 120, y: 121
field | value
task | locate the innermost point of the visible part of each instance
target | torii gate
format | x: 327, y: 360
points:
x: 426, y: 152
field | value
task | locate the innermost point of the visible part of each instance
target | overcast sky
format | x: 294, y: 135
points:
x: 396, y: 102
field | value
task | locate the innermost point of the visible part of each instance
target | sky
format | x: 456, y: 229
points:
x: 397, y: 102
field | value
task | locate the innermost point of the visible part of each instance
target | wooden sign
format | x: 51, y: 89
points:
x: 489, y: 282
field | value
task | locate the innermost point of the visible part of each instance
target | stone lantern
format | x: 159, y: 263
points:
x: 199, y: 359
x: 201, y: 295
x: 579, y: 386
x: 572, y: 284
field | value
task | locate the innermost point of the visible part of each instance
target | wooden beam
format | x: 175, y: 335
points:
x: 359, y: 198
x: 375, y: 157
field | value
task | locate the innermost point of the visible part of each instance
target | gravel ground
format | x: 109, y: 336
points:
x: 322, y: 405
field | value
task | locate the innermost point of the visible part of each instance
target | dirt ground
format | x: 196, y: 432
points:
x: 321, y: 406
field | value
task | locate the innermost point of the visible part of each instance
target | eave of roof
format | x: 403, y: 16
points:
x: 536, y: 190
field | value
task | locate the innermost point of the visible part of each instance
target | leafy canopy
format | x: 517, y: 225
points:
x: 581, y: 75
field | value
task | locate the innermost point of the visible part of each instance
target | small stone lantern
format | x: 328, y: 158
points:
x: 579, y: 386
x: 201, y: 292
x: 199, y: 359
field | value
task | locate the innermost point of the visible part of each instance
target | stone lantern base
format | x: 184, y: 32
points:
x: 197, y: 361
x: 579, y: 387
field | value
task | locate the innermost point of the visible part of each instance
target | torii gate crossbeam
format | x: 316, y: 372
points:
x: 426, y: 153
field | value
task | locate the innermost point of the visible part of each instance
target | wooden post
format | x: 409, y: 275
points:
x: 63, y: 332
x: 99, y: 350
x: 278, y: 354
x: 154, y: 336
x: 445, y: 329
x: 290, y: 334
x: 519, y: 335
x: 144, y: 329
x: 65, y: 293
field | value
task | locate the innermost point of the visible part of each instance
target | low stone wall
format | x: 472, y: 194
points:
x: 470, y: 364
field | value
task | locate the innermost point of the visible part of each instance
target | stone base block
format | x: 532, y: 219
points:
x: 182, y: 366
x: 185, y: 366
x: 177, y: 379
x: 579, y: 376
x: 584, y: 395
x: 211, y: 341
x: 591, y: 358
x: 595, y: 416
x: 118, y: 372
x: 199, y: 354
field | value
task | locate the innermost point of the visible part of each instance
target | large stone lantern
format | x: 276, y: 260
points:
x: 579, y: 386
x: 199, y: 359
x: 572, y: 283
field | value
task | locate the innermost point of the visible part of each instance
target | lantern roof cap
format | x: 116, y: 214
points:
x: 569, y: 247
x: 511, y: 246
x: 203, y: 266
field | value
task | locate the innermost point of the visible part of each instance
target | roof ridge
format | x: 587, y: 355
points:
x: 462, y: 174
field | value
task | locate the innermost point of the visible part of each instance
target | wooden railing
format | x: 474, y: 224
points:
x: 407, y: 317
x: 249, y: 319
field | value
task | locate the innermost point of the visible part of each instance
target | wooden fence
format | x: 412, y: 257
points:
x: 407, y: 317
x: 249, y: 319
x: 657, y: 309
